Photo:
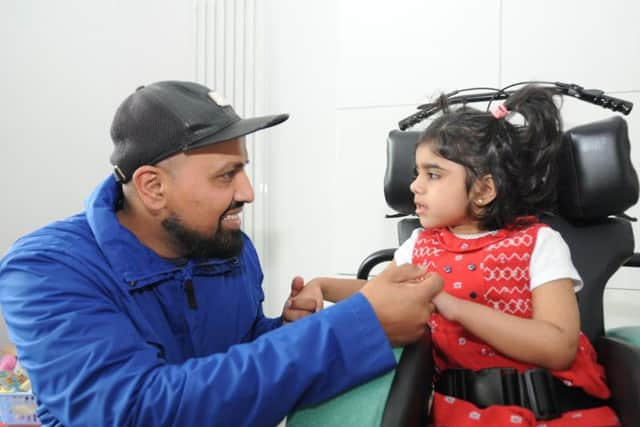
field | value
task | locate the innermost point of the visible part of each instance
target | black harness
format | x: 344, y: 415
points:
x: 536, y: 389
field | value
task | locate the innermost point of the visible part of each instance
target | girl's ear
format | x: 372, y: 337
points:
x: 483, y: 191
x: 150, y: 186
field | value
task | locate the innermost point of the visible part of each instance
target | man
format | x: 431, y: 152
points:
x: 146, y: 308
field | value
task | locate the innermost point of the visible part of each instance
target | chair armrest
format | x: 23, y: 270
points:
x: 360, y: 406
x: 634, y: 261
x: 621, y: 362
x: 412, y: 384
x: 411, y: 388
x: 628, y: 334
x: 377, y: 257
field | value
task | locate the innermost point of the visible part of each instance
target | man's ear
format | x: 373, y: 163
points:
x: 150, y: 184
x: 483, y: 191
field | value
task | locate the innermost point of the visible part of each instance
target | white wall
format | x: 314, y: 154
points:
x: 346, y: 71
x: 65, y: 67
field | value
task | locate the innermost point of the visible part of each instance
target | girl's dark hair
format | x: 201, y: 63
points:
x: 521, y: 159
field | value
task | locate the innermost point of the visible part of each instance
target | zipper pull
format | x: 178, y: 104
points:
x: 191, y: 295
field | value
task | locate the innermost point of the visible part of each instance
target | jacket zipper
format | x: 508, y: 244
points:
x: 191, y: 295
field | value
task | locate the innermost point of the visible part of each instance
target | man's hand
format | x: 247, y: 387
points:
x: 303, y: 300
x: 402, y: 299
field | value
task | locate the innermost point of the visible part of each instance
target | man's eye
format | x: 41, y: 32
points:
x: 227, y: 176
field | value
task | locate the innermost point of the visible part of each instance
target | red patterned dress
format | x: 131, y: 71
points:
x: 494, y: 270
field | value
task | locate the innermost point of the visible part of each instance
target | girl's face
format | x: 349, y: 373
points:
x: 440, y: 193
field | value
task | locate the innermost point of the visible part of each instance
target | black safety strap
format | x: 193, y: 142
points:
x: 536, y: 389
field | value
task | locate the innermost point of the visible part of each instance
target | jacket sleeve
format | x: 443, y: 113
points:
x: 262, y: 323
x: 265, y: 324
x: 89, y: 366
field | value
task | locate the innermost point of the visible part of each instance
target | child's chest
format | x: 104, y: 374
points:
x: 495, y: 274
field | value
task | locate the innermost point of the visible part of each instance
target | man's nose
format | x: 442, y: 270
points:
x: 244, y: 189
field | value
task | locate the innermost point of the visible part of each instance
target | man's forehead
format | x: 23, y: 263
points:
x: 232, y: 147
x: 218, y: 155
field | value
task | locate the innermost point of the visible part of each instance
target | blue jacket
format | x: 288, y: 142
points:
x: 112, y: 334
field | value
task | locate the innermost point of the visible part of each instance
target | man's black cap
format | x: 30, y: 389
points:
x: 165, y: 118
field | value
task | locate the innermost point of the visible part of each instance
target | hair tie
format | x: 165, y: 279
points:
x: 500, y: 111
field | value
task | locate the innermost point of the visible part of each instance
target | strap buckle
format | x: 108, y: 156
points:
x: 456, y: 382
x: 535, y: 389
x: 541, y: 393
x: 493, y: 386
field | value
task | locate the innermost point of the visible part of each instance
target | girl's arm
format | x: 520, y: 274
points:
x: 549, y: 339
x: 334, y: 289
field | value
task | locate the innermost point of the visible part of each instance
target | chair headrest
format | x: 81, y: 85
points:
x: 596, y: 175
x: 399, y: 173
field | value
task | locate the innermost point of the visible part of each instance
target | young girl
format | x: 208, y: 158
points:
x: 507, y: 343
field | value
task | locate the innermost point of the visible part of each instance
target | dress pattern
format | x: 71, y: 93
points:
x: 493, y: 270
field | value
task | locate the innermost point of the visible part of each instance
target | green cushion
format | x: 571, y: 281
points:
x: 359, y: 406
x: 630, y: 334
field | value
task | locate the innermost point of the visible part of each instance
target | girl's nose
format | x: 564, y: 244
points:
x: 415, y: 187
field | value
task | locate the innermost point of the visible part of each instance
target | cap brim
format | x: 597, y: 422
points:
x: 240, y: 128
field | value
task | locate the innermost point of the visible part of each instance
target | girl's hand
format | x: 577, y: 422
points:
x: 303, y: 300
x: 447, y: 305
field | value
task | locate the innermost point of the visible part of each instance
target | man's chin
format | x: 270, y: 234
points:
x: 223, y: 244
x: 231, y: 224
x: 226, y: 244
x: 230, y: 230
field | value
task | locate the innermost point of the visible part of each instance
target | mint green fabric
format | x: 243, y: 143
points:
x: 630, y: 334
x: 361, y: 406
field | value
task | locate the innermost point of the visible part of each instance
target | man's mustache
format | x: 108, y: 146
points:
x: 234, y: 205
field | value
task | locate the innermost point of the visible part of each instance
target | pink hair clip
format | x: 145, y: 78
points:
x: 500, y: 111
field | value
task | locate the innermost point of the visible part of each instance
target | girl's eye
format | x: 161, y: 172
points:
x: 433, y: 176
x: 415, y: 173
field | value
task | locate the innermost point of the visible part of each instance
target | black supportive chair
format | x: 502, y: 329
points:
x: 597, y: 183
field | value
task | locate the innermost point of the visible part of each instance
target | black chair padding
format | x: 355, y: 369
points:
x: 598, y: 249
x: 622, y: 365
x: 399, y: 173
x: 406, y: 227
x: 596, y: 175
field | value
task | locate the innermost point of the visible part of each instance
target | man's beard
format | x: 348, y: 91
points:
x: 193, y: 244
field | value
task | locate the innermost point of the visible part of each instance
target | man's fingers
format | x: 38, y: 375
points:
x: 297, y: 308
x: 432, y: 283
x: 405, y: 272
x: 293, y: 315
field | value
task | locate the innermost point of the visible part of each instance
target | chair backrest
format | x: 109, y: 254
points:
x: 596, y: 182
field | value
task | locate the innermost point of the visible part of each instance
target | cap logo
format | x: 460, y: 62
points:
x: 218, y: 99
x: 120, y: 176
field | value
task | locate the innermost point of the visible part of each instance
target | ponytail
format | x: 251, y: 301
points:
x: 539, y: 143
